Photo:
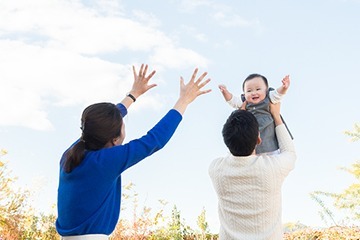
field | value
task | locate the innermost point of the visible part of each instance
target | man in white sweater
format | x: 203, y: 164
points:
x: 248, y: 186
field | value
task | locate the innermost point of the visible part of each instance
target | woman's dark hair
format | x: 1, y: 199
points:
x: 254, y: 75
x: 240, y: 133
x: 100, y: 123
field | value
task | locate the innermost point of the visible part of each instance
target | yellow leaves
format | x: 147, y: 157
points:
x: 3, y: 152
x: 336, y: 232
x: 355, y: 133
x: 129, y: 186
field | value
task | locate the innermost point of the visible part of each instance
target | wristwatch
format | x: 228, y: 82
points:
x: 131, y: 96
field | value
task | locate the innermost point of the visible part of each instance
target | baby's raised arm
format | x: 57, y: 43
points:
x: 226, y: 94
x: 285, y: 85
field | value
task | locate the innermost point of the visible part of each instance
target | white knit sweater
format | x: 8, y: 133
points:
x: 249, y: 191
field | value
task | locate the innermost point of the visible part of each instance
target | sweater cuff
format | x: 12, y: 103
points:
x: 175, y: 114
x: 122, y: 108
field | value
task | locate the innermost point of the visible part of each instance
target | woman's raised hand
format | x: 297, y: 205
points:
x: 190, y: 91
x: 141, y: 81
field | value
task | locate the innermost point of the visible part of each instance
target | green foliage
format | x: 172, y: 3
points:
x: 348, y: 200
x: 325, y: 213
x: 155, y: 225
x: 355, y: 133
x: 203, y: 225
x: 18, y: 219
x: 332, y: 233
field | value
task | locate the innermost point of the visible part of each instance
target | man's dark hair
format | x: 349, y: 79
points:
x: 240, y: 133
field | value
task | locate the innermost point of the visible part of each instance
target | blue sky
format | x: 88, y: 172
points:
x: 57, y: 57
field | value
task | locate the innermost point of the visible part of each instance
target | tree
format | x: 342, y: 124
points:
x: 355, y: 133
x: 12, y: 203
x: 203, y: 224
x: 349, y: 199
x: 17, y: 218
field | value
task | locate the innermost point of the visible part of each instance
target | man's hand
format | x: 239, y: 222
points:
x: 275, y: 112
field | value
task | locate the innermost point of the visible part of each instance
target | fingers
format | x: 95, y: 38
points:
x: 151, y: 75
x: 243, y: 105
x: 286, y: 81
x: 199, y: 82
x: 201, y: 78
x: 204, y: 92
x: 286, y: 78
x: 152, y: 85
x: 134, y: 72
x: 182, y: 82
x: 194, y: 74
x: 141, y: 70
x: 202, y: 84
x: 145, y: 70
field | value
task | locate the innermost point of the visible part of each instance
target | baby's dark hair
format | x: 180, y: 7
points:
x: 254, y: 75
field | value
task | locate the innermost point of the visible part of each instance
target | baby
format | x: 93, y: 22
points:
x: 256, y: 98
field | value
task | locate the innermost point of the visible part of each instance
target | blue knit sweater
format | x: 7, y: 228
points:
x: 89, y: 196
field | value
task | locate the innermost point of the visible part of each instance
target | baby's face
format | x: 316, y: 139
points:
x: 255, y: 90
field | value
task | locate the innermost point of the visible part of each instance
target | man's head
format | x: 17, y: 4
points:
x: 241, y: 133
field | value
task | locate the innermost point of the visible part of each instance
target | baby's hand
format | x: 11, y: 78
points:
x: 222, y: 88
x: 226, y: 94
x: 286, y: 82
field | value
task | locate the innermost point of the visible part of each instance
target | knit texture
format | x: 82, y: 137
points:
x: 249, y: 191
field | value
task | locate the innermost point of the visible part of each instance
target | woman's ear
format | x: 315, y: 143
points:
x: 114, y: 142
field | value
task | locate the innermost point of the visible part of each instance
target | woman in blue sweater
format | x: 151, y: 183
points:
x: 89, y: 192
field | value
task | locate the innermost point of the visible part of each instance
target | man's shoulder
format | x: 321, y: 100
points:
x: 214, y: 163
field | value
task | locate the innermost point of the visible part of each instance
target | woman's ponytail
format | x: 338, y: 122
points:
x: 74, y: 156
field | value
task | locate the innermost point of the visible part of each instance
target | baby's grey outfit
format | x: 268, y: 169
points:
x: 262, y: 113
x: 266, y: 123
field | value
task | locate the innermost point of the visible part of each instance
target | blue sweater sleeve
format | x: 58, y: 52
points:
x: 117, y: 159
x: 122, y: 108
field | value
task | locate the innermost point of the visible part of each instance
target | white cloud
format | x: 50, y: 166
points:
x: 73, y: 27
x: 108, y: 7
x: 50, y: 56
x: 60, y: 74
x: 19, y: 107
x: 33, y: 77
x: 146, y: 18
